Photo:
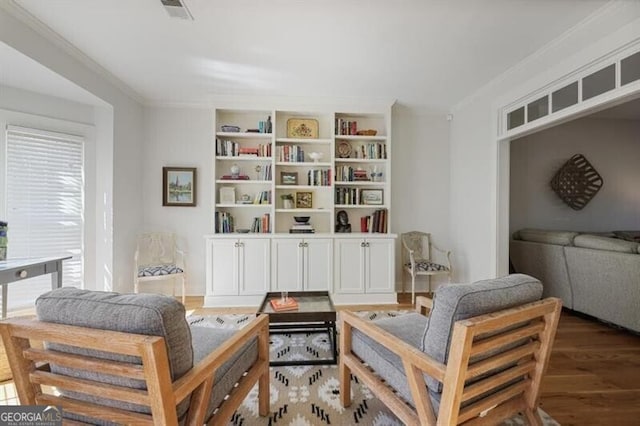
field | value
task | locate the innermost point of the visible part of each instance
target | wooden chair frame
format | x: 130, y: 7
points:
x: 505, y: 398
x: 30, y: 368
x: 411, y: 256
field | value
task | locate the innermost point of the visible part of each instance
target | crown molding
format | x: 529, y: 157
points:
x: 24, y: 16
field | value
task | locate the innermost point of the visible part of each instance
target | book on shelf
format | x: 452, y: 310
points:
x: 288, y: 304
x: 302, y: 231
x: 376, y: 223
x: 232, y: 177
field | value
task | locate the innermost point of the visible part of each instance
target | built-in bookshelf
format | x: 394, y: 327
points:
x: 281, y: 164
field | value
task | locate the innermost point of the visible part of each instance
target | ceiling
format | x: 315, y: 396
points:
x: 426, y: 53
x: 18, y: 70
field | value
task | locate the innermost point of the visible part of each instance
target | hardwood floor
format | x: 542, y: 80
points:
x: 593, y: 376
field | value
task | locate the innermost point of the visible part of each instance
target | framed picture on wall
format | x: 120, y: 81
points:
x: 179, y: 186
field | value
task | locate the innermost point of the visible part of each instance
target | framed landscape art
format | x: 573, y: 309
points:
x: 179, y: 186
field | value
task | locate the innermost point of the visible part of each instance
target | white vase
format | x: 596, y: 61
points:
x: 288, y: 204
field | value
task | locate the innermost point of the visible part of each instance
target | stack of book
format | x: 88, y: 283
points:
x: 232, y: 177
x: 288, y: 304
x: 302, y: 228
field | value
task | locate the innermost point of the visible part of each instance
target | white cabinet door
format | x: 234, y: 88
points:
x: 379, y: 266
x: 349, y: 265
x: 287, y: 264
x: 318, y: 264
x: 254, y: 266
x: 222, y: 267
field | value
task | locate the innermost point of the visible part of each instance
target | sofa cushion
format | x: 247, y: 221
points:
x: 388, y: 365
x: 205, y: 341
x: 633, y: 236
x: 605, y: 243
x: 148, y: 314
x: 561, y: 238
x: 455, y: 302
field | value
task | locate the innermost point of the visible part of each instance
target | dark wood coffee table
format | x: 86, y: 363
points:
x: 315, y: 313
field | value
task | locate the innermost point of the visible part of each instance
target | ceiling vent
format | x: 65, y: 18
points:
x: 177, y: 9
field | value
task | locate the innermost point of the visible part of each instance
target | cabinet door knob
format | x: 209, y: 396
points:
x: 367, y: 244
x: 300, y: 245
x: 362, y: 244
x: 236, y: 244
x: 23, y: 273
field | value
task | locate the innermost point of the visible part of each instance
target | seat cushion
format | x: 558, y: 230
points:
x: 597, y: 242
x: 156, y: 271
x: 148, y: 314
x: 385, y: 363
x: 426, y: 266
x: 455, y: 302
x: 205, y: 341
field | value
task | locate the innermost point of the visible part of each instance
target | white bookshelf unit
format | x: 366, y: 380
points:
x: 326, y: 162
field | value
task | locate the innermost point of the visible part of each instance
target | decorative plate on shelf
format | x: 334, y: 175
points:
x: 344, y: 150
x: 302, y: 128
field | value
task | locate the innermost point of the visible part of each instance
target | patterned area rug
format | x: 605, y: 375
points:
x: 309, y: 395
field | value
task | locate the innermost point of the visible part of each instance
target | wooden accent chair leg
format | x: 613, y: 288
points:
x: 533, y: 417
x: 184, y: 287
x: 345, y: 372
x: 263, y: 383
x: 413, y: 288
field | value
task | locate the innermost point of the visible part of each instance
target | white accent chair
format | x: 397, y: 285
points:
x: 157, y: 258
x: 417, y: 249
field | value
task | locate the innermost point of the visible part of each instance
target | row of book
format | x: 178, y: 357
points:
x: 376, y: 223
x: 290, y: 154
x: 371, y: 151
x: 351, y: 174
x: 261, y: 224
x: 264, y: 172
x: 262, y: 197
x: 346, y: 127
x: 317, y: 177
x: 224, y: 223
x: 229, y: 148
x: 349, y: 196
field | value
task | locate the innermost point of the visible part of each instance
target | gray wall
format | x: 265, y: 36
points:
x: 611, y: 146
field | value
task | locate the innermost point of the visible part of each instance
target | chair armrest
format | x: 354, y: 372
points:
x: 423, y: 305
x: 405, y: 351
x: 181, y: 258
x: 445, y: 252
x: 208, y: 366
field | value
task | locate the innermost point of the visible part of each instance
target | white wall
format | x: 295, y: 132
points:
x: 183, y: 137
x: 419, y: 180
x: 180, y: 137
x: 611, y: 146
x: 121, y: 178
x: 474, y: 152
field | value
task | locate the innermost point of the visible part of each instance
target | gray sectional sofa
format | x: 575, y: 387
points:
x: 596, y: 274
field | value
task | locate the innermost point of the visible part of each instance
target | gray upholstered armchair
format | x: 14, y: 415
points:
x: 479, y: 356
x: 133, y: 359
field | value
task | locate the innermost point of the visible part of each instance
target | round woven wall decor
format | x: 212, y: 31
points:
x: 577, y: 182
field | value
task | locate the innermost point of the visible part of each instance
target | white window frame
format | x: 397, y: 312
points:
x: 87, y: 132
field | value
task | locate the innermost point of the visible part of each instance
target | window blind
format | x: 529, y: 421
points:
x: 45, y: 206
